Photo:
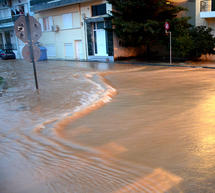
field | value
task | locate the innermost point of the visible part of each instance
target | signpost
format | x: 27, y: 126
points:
x: 167, y: 27
x: 28, y: 29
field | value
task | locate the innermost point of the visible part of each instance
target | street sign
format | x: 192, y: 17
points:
x: 26, y: 53
x: 20, y: 27
x: 167, y: 26
x: 28, y: 29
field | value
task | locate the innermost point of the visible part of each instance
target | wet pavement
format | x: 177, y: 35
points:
x: 155, y: 135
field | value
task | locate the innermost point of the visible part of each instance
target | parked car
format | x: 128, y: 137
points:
x: 7, y: 54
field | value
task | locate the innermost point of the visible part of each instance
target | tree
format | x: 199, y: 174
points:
x: 191, y: 42
x: 139, y: 22
x: 203, y: 41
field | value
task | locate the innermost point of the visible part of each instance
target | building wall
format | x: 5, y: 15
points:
x: 199, y: 21
x: 190, y: 5
x: 67, y: 39
x: 126, y: 52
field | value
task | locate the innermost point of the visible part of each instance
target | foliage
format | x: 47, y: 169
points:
x: 141, y: 22
x: 203, y: 41
x: 191, y: 42
x: 182, y: 42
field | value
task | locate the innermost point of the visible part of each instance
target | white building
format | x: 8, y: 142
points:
x: 78, y: 30
x: 72, y: 29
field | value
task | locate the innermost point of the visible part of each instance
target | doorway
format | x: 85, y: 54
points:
x: 100, y: 39
x: 101, y: 42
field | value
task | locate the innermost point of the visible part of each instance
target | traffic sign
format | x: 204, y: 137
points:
x: 167, y: 26
x: 26, y: 53
x: 28, y: 29
x: 21, y: 29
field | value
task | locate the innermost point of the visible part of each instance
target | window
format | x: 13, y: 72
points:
x: 46, y: 23
x: 67, y: 20
x: 99, y: 9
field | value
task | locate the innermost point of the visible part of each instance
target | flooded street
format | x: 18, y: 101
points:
x: 156, y: 134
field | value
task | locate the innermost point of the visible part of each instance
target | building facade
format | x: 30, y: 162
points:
x: 76, y: 30
x: 10, y: 10
x: 206, y: 15
x: 201, y: 12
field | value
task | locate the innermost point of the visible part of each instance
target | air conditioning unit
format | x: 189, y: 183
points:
x: 55, y: 28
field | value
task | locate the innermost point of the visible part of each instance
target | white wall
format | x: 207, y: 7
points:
x: 66, y: 38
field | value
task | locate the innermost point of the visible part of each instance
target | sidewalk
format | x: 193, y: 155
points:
x: 190, y: 64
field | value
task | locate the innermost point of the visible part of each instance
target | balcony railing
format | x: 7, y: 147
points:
x: 40, y: 5
x: 3, y: 21
x: 8, y: 46
x: 8, y: 20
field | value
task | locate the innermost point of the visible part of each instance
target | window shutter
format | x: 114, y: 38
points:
x: 67, y: 20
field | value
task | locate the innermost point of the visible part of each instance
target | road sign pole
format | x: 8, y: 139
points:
x: 170, y: 47
x: 167, y: 26
x: 27, y: 20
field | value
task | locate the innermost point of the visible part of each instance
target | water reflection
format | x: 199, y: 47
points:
x: 158, y: 181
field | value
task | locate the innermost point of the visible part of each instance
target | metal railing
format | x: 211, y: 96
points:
x: 205, y: 5
x: 11, y: 19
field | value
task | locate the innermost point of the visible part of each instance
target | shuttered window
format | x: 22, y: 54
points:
x: 67, y: 20
x: 46, y: 23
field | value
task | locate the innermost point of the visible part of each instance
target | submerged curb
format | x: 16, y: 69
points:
x: 167, y: 65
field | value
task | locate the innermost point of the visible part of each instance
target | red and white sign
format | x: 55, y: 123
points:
x: 166, y: 26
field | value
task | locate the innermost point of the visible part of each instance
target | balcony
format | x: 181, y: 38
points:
x: 207, y: 9
x: 8, y: 46
x: 41, y: 5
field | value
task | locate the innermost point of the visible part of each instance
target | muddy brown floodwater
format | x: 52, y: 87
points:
x: 156, y: 134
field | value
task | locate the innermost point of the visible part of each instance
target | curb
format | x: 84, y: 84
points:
x: 166, y: 65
